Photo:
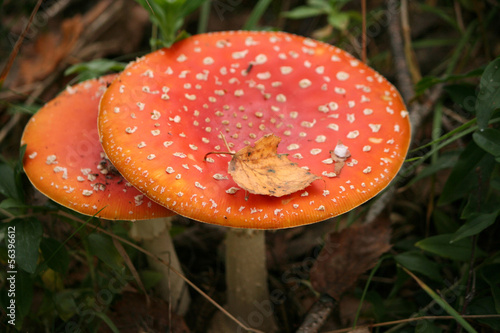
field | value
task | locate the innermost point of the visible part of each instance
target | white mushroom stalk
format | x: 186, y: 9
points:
x: 155, y: 237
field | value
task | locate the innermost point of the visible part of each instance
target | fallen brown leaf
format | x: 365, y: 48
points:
x: 108, y: 27
x: 348, y: 254
x: 49, y: 50
x: 261, y: 170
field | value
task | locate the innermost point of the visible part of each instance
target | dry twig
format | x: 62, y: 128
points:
x: 418, y: 110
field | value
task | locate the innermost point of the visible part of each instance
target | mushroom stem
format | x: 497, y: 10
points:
x: 246, y: 277
x: 155, y: 235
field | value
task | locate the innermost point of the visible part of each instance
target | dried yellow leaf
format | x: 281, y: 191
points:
x: 259, y: 169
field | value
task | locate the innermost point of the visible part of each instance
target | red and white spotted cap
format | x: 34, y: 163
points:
x: 64, y: 158
x: 167, y: 110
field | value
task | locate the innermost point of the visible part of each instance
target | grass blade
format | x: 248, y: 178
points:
x: 204, y: 15
x: 448, y: 308
x: 372, y: 273
x: 257, y: 12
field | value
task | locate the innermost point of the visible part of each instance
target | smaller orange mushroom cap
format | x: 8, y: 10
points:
x: 64, y: 159
x: 167, y: 110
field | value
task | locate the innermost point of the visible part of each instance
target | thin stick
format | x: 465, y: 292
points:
x: 229, y: 152
x: 217, y: 153
x: 225, y: 142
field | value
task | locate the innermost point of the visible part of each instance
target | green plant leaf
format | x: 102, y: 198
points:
x: 443, y: 222
x: 19, y: 173
x: 65, y: 304
x: 96, y: 67
x: 463, y: 178
x: 7, y: 182
x: 339, y: 20
x: 102, y: 247
x: 418, y: 262
x: 302, y: 12
x: 28, y: 236
x: 484, y: 305
x: 24, y: 293
x: 169, y: 17
x: 429, y: 81
x: 379, y: 310
x: 474, y: 225
x: 494, y: 181
x: 445, y: 161
x: 441, y: 245
x: 464, y: 95
x: 150, y: 278
x: 425, y: 83
x: 12, y: 203
x: 55, y: 255
x: 490, y: 274
x: 489, y: 140
x: 488, y: 98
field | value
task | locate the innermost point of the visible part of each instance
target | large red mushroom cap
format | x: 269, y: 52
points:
x: 64, y: 158
x: 335, y: 116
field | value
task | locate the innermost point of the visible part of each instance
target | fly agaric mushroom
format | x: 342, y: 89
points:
x: 65, y: 161
x: 336, y: 117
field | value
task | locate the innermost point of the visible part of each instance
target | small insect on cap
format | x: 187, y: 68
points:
x: 332, y: 115
x: 64, y: 158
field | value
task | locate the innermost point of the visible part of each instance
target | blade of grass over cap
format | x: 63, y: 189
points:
x: 258, y: 11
